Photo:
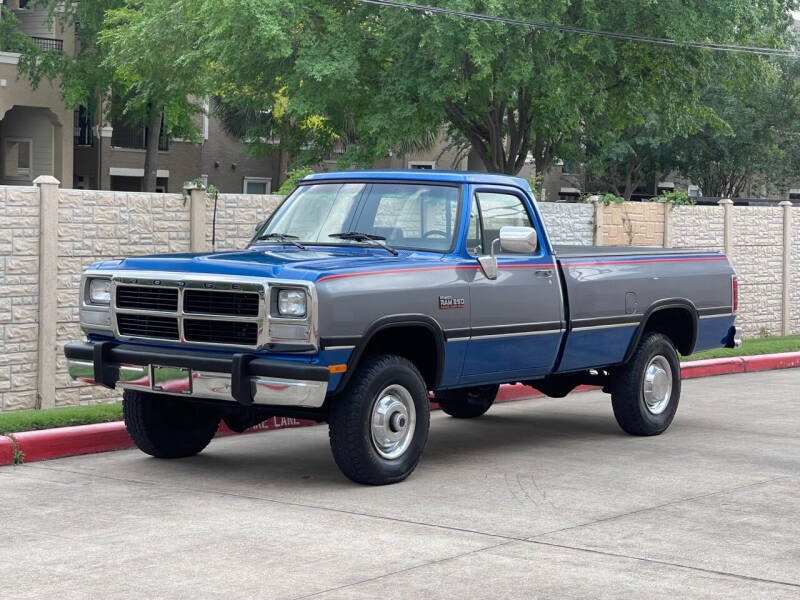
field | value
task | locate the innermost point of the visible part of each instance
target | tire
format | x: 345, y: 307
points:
x: 166, y: 427
x: 467, y: 403
x: 378, y: 426
x: 645, y: 391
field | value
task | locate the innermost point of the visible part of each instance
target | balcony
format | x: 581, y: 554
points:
x: 124, y: 136
x: 49, y: 44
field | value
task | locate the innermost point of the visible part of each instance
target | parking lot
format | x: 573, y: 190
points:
x: 540, y: 498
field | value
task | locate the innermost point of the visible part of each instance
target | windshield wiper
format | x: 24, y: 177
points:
x: 282, y: 237
x: 357, y: 236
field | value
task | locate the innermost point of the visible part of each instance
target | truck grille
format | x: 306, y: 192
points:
x: 212, y: 313
x: 147, y: 326
x: 236, y: 304
x: 221, y: 332
x: 147, y: 298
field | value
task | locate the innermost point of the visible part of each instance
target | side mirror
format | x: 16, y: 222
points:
x: 516, y: 240
x: 519, y: 240
x: 260, y: 224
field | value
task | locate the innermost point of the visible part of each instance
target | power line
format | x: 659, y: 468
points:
x: 583, y: 31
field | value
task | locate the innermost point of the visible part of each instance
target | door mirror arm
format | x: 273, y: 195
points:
x: 489, y: 263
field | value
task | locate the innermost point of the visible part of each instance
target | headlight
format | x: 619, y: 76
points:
x: 100, y: 291
x: 292, y: 303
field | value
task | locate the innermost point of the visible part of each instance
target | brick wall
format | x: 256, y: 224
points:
x: 633, y: 224
x: 19, y: 293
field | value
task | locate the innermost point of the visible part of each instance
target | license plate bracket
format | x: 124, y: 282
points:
x: 173, y: 380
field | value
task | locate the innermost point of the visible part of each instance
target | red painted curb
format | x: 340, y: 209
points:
x: 6, y: 450
x: 102, y: 437
x: 71, y: 441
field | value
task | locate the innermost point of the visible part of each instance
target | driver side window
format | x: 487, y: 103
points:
x: 490, y: 212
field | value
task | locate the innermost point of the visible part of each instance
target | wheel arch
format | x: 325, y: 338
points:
x: 677, y: 318
x: 428, y: 358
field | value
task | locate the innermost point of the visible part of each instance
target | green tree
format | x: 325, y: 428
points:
x: 135, y: 73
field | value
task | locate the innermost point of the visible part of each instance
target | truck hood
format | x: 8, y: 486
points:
x: 275, y: 262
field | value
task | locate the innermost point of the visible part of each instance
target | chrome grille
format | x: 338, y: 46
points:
x: 220, y: 332
x: 209, y: 302
x: 147, y: 298
x: 148, y: 326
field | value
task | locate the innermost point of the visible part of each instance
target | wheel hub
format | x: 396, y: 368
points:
x: 393, y: 421
x: 657, y: 385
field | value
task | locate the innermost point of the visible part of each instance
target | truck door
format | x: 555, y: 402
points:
x: 516, y: 320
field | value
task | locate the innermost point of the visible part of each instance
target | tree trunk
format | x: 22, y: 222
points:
x: 151, y: 152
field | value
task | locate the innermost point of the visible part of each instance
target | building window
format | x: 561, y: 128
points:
x: 257, y: 185
x: 427, y: 165
x: 18, y: 159
x: 83, y: 127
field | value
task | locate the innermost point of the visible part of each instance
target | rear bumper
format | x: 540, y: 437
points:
x: 243, y: 378
x: 734, y: 338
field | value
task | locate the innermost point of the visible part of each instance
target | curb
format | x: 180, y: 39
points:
x: 103, y: 437
x: 6, y: 450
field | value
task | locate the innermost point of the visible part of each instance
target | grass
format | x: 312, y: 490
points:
x: 766, y: 345
x: 30, y: 420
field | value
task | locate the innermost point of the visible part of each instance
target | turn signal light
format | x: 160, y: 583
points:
x: 334, y: 369
x: 735, y: 292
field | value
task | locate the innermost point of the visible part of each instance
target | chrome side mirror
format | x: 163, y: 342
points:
x: 519, y: 240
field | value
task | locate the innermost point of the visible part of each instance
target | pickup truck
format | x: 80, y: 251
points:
x: 367, y: 295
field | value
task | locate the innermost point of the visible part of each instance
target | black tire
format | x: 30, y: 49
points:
x: 467, y: 403
x: 350, y: 421
x: 631, y: 408
x: 167, y: 427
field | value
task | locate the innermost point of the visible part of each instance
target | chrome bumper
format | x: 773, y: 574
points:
x: 174, y: 374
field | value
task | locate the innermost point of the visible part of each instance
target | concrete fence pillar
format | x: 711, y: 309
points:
x: 598, y: 221
x: 197, y: 217
x: 667, y: 226
x: 786, y: 280
x: 727, y: 206
x: 48, y: 304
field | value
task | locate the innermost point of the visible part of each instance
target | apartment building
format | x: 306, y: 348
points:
x: 41, y: 136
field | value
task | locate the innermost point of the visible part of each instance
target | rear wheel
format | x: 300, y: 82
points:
x: 645, y: 391
x: 467, y: 403
x: 167, y: 427
x: 379, y: 425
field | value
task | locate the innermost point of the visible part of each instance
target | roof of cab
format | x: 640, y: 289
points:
x: 422, y: 175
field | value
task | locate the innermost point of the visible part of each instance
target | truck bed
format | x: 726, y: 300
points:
x: 570, y: 251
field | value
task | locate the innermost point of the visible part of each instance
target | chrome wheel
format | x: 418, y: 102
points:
x: 393, y: 421
x: 657, y: 385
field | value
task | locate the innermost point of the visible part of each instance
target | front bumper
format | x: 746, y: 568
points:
x: 244, y: 378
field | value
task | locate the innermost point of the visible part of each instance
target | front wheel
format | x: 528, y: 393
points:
x: 379, y: 425
x: 645, y: 391
x: 467, y: 403
x: 167, y: 427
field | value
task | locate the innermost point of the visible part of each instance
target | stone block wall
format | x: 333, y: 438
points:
x: 19, y: 296
x: 94, y: 225
x: 697, y: 227
x: 758, y: 259
x: 568, y: 223
x: 633, y: 224
x: 98, y: 225
x: 237, y: 217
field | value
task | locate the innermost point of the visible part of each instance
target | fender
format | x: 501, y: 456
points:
x: 660, y: 305
x: 391, y: 322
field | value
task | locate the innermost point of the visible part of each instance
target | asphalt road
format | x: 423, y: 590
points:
x: 538, y: 499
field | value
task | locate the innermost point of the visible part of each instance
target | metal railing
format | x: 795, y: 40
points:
x: 125, y: 136
x: 49, y: 44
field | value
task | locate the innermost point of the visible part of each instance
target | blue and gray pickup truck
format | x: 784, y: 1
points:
x: 367, y: 295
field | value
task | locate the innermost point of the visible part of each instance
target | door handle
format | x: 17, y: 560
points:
x: 543, y: 273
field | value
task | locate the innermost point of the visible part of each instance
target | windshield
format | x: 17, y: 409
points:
x: 409, y: 216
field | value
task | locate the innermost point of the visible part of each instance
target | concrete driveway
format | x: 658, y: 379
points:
x: 540, y: 498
